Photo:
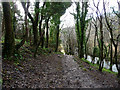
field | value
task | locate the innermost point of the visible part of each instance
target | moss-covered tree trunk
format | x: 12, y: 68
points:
x: 9, y: 44
x: 81, y: 23
x: 86, y: 41
x: 78, y: 29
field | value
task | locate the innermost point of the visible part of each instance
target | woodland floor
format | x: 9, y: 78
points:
x: 54, y: 70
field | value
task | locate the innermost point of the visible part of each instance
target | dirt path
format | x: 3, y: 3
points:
x: 76, y: 76
x: 51, y: 71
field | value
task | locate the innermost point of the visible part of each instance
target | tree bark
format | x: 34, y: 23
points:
x: 34, y: 22
x: 9, y: 44
x: 101, y: 44
x: 94, y: 43
x: 40, y: 35
x: 82, y: 23
x: 87, y: 42
x: 42, y: 38
x: 38, y: 44
x: 57, y: 39
x: 40, y: 24
x: 14, y: 23
x: 3, y: 25
x: 111, y: 56
x: 47, y: 33
x: 78, y: 30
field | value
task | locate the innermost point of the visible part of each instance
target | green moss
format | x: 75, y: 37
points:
x: 1, y: 81
x: 107, y: 70
x: 87, y: 61
x: 84, y: 69
x: 96, y: 51
x: 17, y: 41
x: 58, y: 52
x: 90, y: 68
x: 96, y: 66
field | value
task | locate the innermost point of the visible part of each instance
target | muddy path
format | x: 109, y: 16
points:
x: 53, y: 71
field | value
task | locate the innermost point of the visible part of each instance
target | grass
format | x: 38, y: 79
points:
x: 84, y: 69
x: 58, y: 52
x: 18, y: 40
x: 0, y: 81
x: 95, y: 65
x: 107, y: 70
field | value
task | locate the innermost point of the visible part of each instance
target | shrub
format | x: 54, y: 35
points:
x: 96, y: 51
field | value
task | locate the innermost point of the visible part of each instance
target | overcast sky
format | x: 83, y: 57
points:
x: 68, y: 19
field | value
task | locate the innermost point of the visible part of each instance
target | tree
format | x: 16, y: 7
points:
x: 113, y: 41
x: 9, y: 43
x: 86, y: 40
x: 47, y: 33
x: 34, y: 22
x: 95, y: 37
x: 48, y: 11
x: 100, y: 42
x: 26, y: 26
x: 14, y: 11
x: 41, y: 32
x: 81, y: 26
x: 78, y: 27
x: 57, y: 10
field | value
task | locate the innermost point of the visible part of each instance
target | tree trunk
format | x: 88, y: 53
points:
x: 78, y: 30
x: 116, y: 62
x: 9, y: 44
x: 112, y: 39
x: 101, y: 45
x: 57, y: 38
x: 3, y: 25
x: 111, y: 56
x: 35, y: 33
x: 86, y: 41
x: 14, y: 24
x: 30, y: 36
x: 40, y: 35
x: 40, y: 24
x: 93, y: 60
x: 38, y: 45
x: 83, y: 24
x: 35, y: 24
x: 47, y: 33
x: 81, y: 43
x: 42, y: 40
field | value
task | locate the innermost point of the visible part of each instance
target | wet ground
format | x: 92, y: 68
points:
x: 60, y: 71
